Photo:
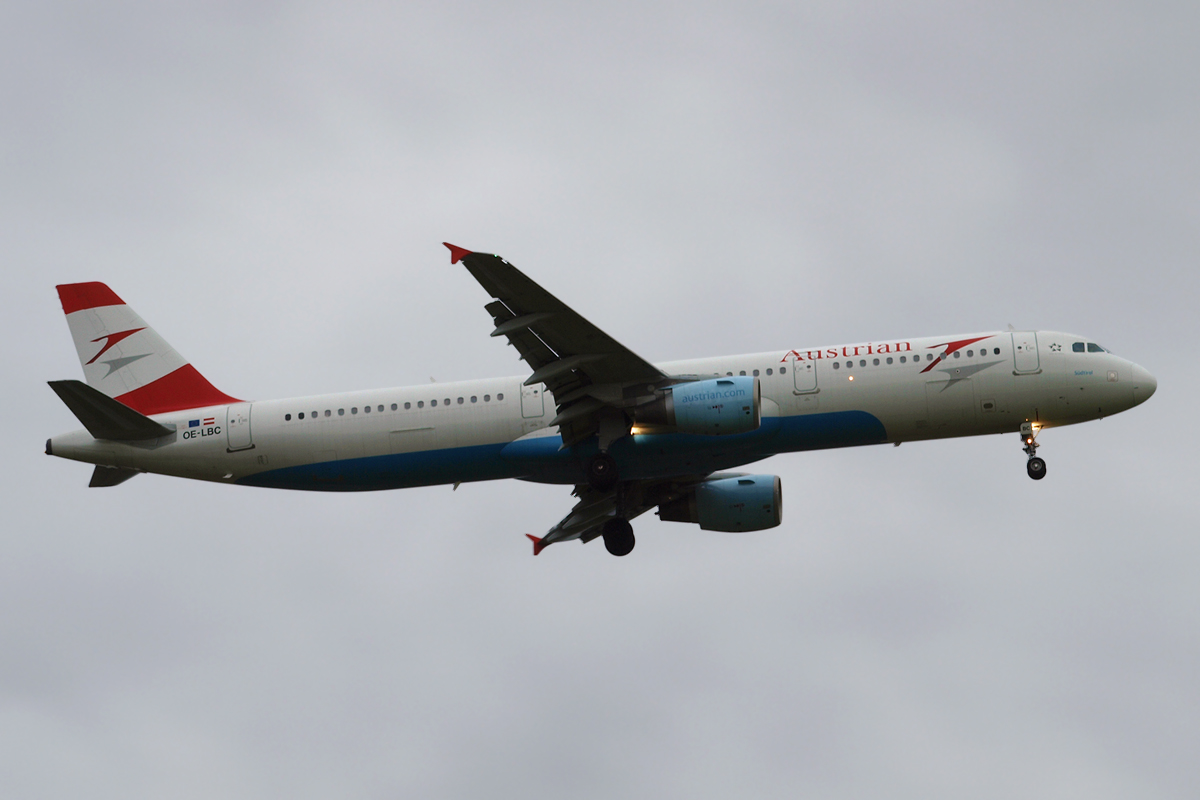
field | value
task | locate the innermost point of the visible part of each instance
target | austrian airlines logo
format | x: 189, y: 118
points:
x: 112, y: 338
x: 950, y: 348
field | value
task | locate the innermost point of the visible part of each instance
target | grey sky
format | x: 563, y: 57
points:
x: 269, y: 187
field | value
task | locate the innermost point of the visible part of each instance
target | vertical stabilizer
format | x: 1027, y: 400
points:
x: 126, y: 359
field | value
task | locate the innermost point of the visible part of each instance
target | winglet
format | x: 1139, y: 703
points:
x: 457, y: 253
x: 537, y: 543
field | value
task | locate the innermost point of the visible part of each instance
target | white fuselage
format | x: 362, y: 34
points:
x: 899, y: 391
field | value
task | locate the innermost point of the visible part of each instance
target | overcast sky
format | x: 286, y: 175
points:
x: 269, y: 184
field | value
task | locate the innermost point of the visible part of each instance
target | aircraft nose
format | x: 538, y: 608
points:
x: 1144, y: 384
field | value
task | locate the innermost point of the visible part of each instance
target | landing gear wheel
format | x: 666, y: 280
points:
x: 602, y: 471
x: 618, y: 537
x: 1036, y: 468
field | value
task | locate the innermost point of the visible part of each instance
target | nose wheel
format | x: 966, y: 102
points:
x: 1034, y: 466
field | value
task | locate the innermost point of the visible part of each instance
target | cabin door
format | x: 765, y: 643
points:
x: 1025, y: 352
x: 237, y: 427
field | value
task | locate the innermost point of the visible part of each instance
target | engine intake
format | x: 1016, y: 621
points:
x: 742, y: 503
x: 715, y: 407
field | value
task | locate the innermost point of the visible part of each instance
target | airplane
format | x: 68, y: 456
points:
x: 628, y: 435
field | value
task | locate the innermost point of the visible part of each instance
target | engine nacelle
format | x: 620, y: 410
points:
x: 715, y: 407
x: 743, y: 503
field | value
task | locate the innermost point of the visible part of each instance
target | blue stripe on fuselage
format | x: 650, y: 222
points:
x: 542, y: 459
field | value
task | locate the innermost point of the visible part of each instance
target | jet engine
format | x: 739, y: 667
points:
x: 740, y: 503
x: 715, y: 407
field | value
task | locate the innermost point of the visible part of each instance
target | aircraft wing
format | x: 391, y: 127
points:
x: 596, y: 507
x: 588, y: 372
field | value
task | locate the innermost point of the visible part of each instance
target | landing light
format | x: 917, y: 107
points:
x: 851, y: 377
x: 635, y: 430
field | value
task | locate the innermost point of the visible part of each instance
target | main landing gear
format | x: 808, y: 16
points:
x: 1036, y: 467
x: 618, y: 537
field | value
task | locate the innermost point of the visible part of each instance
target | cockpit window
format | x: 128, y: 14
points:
x: 1095, y: 348
x: 1077, y: 347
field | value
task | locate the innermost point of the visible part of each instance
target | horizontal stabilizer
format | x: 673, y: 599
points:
x: 104, y: 417
x: 111, y: 476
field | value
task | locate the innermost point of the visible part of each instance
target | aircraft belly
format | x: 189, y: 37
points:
x: 542, y: 458
x: 649, y: 456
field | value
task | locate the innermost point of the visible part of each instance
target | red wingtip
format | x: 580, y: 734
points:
x: 537, y: 543
x: 457, y: 253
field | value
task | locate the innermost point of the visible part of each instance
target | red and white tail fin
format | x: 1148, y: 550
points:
x: 126, y: 359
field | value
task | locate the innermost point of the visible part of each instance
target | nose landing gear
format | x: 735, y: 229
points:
x: 1036, y: 467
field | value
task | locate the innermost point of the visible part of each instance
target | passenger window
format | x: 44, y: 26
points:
x: 300, y: 415
x: 849, y: 364
x: 354, y: 410
x: 420, y: 404
x: 755, y: 373
x: 970, y: 354
x: 433, y: 403
x: 782, y: 370
x: 394, y: 406
x: 474, y: 399
x: 889, y: 360
x: 487, y: 398
x: 314, y: 415
x: 837, y: 365
x: 743, y: 372
x: 446, y: 401
x: 460, y: 401
x: 341, y: 412
x: 1077, y: 347
x: 768, y: 370
x: 996, y: 351
x: 929, y: 356
x: 366, y: 409
x: 1094, y: 348
x: 729, y: 374
x: 380, y: 409
x: 957, y: 354
x: 903, y: 359
x: 876, y: 362
x: 407, y: 406
x: 287, y: 417
x: 499, y: 396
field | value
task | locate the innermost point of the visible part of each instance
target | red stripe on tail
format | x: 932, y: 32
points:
x: 537, y: 543
x: 81, y: 296
x: 183, y: 388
